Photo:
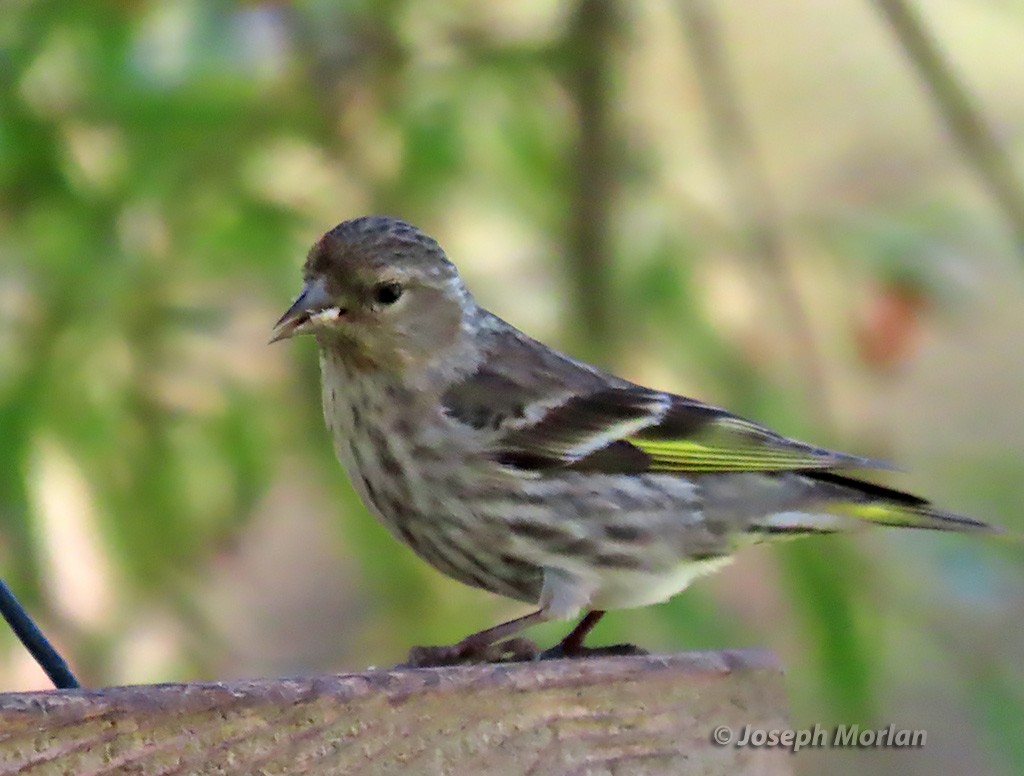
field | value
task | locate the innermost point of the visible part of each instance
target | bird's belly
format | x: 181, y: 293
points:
x: 629, y: 588
x: 413, y: 498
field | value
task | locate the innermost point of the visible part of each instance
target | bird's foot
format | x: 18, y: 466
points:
x: 560, y: 651
x: 469, y: 651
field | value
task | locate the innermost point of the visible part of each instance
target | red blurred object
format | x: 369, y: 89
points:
x: 889, y: 326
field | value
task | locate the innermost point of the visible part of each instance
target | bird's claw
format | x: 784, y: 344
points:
x: 509, y: 650
x: 560, y: 651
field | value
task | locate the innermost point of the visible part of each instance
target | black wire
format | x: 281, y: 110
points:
x: 35, y: 642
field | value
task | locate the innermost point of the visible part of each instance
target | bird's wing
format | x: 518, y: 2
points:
x: 543, y: 410
x: 630, y: 429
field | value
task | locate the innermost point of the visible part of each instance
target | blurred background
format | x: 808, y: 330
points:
x: 811, y: 213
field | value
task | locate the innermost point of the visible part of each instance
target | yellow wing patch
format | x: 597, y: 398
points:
x: 688, y: 455
x: 731, y: 444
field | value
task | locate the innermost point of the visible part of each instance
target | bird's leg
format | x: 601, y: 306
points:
x: 573, y: 642
x: 490, y: 645
x: 572, y: 645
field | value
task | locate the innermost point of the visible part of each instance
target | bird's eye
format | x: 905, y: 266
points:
x: 387, y: 293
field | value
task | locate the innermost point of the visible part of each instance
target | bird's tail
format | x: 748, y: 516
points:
x: 879, y: 505
x: 901, y: 516
x: 837, y: 503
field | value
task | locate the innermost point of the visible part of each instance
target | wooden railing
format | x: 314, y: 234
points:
x: 621, y: 715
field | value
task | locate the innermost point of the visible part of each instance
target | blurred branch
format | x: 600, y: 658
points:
x: 28, y: 633
x: 589, y: 44
x: 964, y: 120
x: 734, y: 145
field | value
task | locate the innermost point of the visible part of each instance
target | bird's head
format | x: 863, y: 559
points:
x: 382, y: 293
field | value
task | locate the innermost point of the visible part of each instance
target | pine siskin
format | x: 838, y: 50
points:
x: 513, y: 468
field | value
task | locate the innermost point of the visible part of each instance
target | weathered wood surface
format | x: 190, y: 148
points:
x: 628, y: 715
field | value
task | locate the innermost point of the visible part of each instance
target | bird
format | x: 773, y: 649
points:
x: 517, y: 469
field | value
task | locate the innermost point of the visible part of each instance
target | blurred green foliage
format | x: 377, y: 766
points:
x: 163, y: 166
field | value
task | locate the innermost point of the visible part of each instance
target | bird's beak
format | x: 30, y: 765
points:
x: 312, y: 300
